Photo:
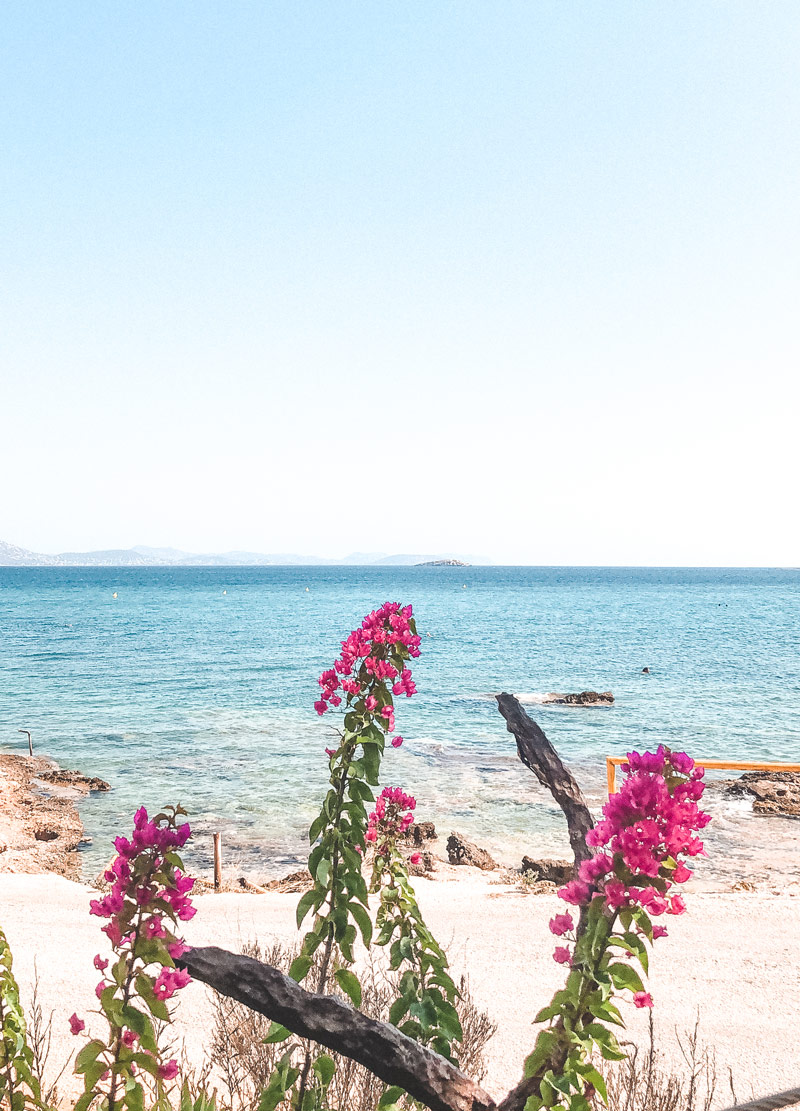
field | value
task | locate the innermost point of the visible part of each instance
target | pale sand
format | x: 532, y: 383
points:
x: 733, y: 957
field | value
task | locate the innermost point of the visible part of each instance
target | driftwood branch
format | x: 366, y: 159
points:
x: 536, y: 752
x: 381, y: 1048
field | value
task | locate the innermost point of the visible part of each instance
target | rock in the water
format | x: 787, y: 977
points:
x: 63, y: 777
x: 585, y: 698
x: 552, y: 871
x: 462, y: 851
x: 443, y: 563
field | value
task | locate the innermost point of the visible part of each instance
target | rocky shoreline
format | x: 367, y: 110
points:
x: 40, y: 828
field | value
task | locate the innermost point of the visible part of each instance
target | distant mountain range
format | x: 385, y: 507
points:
x: 13, y: 556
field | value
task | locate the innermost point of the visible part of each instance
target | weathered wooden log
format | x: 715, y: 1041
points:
x: 536, y: 752
x: 390, y: 1055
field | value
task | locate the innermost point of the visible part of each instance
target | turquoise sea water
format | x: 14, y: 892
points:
x: 196, y: 685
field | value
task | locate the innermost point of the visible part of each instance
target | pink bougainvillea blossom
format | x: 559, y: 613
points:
x: 644, y: 831
x: 391, y: 818
x: 364, y: 661
x: 76, y: 1025
x: 561, y: 924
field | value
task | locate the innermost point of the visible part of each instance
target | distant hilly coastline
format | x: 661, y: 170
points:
x: 11, y: 555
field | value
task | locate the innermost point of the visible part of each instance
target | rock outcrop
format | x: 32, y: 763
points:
x: 558, y: 872
x: 40, y: 828
x: 293, y: 883
x: 776, y: 793
x: 462, y: 851
x: 585, y: 698
x: 444, y: 563
x: 61, y: 777
x: 421, y: 832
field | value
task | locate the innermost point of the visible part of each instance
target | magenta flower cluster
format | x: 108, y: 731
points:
x: 645, y: 830
x: 130, y: 889
x: 391, y: 818
x: 149, y: 894
x: 363, y: 662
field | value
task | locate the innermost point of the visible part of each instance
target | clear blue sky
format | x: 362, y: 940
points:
x: 516, y: 279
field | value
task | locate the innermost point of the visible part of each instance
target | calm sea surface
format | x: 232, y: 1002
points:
x: 196, y: 685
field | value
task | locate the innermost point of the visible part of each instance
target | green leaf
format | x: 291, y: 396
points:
x: 593, y: 1077
x: 298, y: 969
x: 307, y: 901
x: 624, y: 977
x: 545, y: 1045
x: 141, y: 1024
x: 322, y: 871
x: 276, y: 1034
x: 363, y: 920
x: 424, y: 1012
x: 604, y: 1038
x: 389, y: 1099
x: 134, y: 1097
x: 638, y: 947
x: 89, y: 1054
x: 316, y: 828
x: 608, y: 1013
x: 156, y: 1006
x: 349, y: 985
x: 360, y: 791
x: 372, y: 762
x: 85, y: 1100
x: 324, y: 1067
x: 399, y: 1008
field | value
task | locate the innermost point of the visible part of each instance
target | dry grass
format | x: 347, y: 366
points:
x: 40, y: 1039
x: 244, y: 1063
x: 644, y: 1083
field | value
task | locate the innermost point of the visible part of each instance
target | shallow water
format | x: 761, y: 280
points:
x: 175, y: 690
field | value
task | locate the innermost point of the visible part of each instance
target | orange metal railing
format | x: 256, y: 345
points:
x: 613, y: 762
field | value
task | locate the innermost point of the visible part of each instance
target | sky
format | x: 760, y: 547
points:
x: 518, y: 280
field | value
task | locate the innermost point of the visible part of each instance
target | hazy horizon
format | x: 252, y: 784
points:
x: 374, y: 558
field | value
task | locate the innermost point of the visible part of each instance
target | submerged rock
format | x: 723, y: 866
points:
x: 462, y: 851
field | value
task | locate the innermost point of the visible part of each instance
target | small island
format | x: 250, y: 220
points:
x: 444, y: 563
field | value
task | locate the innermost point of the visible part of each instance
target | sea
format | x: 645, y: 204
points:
x: 196, y: 686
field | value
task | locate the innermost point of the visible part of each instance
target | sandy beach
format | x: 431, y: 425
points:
x: 733, y: 959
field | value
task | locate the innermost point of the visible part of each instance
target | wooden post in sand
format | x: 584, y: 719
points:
x: 217, y: 861
x: 30, y: 742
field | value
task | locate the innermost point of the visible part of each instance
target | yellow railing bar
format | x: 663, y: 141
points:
x: 613, y: 762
